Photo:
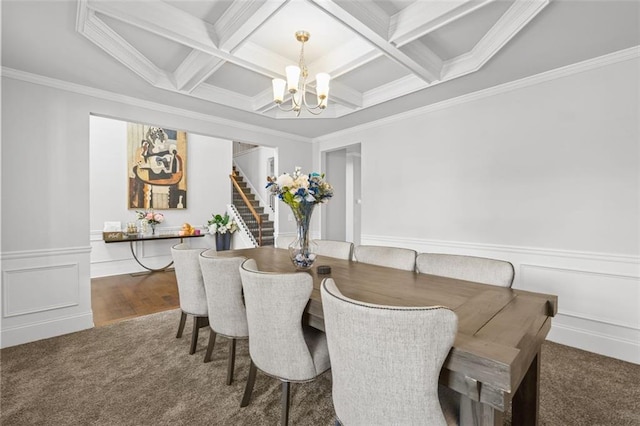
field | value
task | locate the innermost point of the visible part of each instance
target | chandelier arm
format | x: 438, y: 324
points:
x: 286, y: 109
x: 318, y: 105
x: 312, y: 111
x: 297, y: 104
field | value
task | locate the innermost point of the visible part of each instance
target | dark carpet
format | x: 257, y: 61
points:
x: 137, y: 373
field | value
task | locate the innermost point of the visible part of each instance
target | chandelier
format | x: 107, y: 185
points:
x: 297, y: 85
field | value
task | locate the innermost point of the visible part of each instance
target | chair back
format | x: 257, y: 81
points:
x: 391, y: 257
x: 469, y: 268
x: 386, y: 360
x: 337, y: 249
x: 275, y: 304
x: 189, y: 278
x: 223, y: 287
x: 283, y: 241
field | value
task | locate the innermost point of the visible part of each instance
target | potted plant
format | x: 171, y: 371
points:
x: 222, y: 227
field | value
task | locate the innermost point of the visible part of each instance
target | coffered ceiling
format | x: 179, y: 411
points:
x: 227, y: 52
x: 214, y: 59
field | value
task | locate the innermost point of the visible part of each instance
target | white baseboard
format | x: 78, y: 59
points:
x: 30, y: 332
x: 585, y: 339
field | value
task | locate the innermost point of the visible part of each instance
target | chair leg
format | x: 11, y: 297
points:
x: 212, y: 342
x: 198, y: 323
x: 251, y: 380
x: 183, y: 320
x: 284, y: 402
x: 194, y: 334
x: 232, y: 360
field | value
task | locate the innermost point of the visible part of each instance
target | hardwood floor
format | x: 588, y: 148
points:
x: 120, y: 297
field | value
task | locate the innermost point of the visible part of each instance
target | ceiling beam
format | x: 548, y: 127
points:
x: 162, y: 19
x: 172, y: 23
x: 194, y: 69
x: 422, y: 17
x: 359, y: 18
x: 111, y: 42
x: 507, y: 27
x: 241, y: 19
x: 231, y: 29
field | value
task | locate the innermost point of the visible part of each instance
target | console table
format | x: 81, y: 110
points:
x: 139, y: 237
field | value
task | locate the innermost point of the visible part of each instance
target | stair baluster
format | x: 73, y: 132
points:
x: 256, y: 216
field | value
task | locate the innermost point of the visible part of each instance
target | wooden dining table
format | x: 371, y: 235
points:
x: 495, y: 360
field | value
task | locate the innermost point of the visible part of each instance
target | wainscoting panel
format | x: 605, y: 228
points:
x: 45, y: 293
x: 32, y: 290
x: 582, y: 293
x: 598, y: 293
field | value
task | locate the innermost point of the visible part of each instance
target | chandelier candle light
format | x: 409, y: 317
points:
x: 297, y: 85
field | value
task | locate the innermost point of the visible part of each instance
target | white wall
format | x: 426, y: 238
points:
x: 544, y: 173
x: 209, y: 191
x: 46, y: 226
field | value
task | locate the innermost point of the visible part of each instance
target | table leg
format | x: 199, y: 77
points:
x: 133, y: 252
x: 478, y: 414
x: 525, y: 403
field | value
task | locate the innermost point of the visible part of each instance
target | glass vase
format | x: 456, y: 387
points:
x: 144, y: 227
x: 303, y: 249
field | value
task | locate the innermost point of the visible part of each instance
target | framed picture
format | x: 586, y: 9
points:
x: 157, y: 167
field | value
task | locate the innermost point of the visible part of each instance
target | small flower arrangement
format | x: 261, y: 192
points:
x: 150, y: 217
x: 299, y: 188
x: 221, y: 224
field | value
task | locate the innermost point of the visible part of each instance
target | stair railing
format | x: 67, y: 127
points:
x: 256, y: 216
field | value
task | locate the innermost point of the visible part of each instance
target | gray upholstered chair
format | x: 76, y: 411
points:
x: 227, y: 314
x: 386, y: 360
x: 283, y: 241
x: 190, y: 290
x: 279, y: 344
x: 391, y: 257
x: 337, y: 249
x: 469, y: 268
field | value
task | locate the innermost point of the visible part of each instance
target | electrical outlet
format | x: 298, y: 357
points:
x: 290, y: 217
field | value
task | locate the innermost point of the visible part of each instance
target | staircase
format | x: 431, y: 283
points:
x: 247, y: 216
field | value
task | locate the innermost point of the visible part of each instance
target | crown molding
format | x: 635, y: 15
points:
x: 130, y: 100
x: 587, y: 65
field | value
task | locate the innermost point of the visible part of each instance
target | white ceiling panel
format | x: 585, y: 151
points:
x: 164, y: 53
x: 236, y: 47
x: 377, y: 72
x: 208, y: 11
x: 239, y: 79
x: 385, y: 56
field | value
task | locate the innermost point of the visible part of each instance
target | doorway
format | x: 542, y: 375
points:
x: 341, y: 218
